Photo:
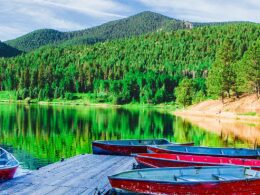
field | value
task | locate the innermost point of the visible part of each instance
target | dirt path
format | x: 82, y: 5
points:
x: 238, y: 118
x: 246, y: 109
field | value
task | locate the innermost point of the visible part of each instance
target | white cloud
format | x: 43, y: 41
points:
x: 208, y: 10
x: 23, y: 16
x: 9, y: 31
x: 96, y: 8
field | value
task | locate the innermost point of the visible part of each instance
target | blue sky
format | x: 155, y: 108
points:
x: 18, y: 17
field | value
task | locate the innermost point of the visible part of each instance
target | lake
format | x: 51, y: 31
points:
x: 38, y: 135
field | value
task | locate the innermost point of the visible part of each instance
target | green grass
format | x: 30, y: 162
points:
x: 249, y: 114
x: 87, y: 99
x: 7, y: 95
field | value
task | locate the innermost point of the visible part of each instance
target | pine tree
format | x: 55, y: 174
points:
x: 221, y: 78
x: 184, y: 92
x: 251, y: 61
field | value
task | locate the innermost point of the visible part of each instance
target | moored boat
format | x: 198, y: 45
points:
x: 8, y: 165
x: 126, y: 147
x: 189, y: 180
x: 180, y: 160
x: 206, y: 151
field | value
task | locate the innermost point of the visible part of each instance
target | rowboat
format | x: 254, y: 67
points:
x: 189, y: 180
x: 8, y: 165
x: 180, y: 160
x: 126, y: 147
x: 206, y: 151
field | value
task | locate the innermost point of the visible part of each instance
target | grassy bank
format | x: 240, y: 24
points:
x: 245, y: 108
x: 83, y: 100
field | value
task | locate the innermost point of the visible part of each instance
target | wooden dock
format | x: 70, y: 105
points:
x: 83, y: 174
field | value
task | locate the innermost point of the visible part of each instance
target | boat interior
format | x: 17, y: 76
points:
x: 192, y: 174
x: 221, y: 151
x: 137, y: 142
x: 7, y: 159
x: 204, y: 159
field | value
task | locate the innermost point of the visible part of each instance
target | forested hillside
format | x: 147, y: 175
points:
x: 154, y: 68
x: 37, y: 39
x: 143, y: 23
x: 7, y: 51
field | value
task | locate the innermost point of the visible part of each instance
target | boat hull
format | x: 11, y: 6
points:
x: 151, y: 149
x: 157, y: 160
x: 104, y: 148
x: 6, y: 174
x: 99, y: 148
x: 150, y: 187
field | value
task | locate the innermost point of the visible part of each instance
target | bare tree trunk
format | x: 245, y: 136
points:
x: 257, y: 91
x: 237, y: 95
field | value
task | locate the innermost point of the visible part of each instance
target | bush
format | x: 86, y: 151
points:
x: 199, y: 97
x: 159, y: 96
x: 22, y: 94
x: 120, y: 100
x: 185, y: 92
x: 41, y: 95
x: 69, y: 96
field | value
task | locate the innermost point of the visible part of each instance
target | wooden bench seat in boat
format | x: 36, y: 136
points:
x: 188, y: 178
x: 224, y: 177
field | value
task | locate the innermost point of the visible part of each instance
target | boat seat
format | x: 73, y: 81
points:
x: 250, y: 173
x: 224, y: 177
x: 188, y: 178
x: 140, y: 174
x: 3, y: 161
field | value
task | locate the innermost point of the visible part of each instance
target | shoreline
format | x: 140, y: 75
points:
x: 166, y: 107
x: 226, y: 125
x: 228, y: 116
x: 246, y: 109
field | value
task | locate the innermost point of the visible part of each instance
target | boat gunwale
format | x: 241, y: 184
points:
x: 194, y: 162
x: 257, y: 151
x: 114, y: 177
x: 183, y: 182
x: 7, y: 167
x: 106, y: 142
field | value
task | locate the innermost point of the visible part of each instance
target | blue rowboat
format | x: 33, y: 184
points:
x: 206, y: 151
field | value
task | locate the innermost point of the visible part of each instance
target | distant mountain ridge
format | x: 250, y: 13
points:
x: 142, y: 23
x: 139, y: 24
x: 36, y: 39
x: 8, y: 51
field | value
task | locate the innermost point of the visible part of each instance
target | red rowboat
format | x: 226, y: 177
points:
x: 179, y: 160
x: 206, y: 151
x: 127, y: 147
x: 8, y: 165
x: 189, y: 180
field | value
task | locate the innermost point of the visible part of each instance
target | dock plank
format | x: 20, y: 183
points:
x: 82, y: 174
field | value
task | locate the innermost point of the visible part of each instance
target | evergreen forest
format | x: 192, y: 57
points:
x: 185, y: 66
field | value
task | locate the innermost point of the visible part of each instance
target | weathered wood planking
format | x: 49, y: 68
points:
x: 83, y: 174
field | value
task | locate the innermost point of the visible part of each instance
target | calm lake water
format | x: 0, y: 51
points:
x: 40, y: 135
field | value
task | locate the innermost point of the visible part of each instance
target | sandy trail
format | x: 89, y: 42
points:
x: 238, y: 118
